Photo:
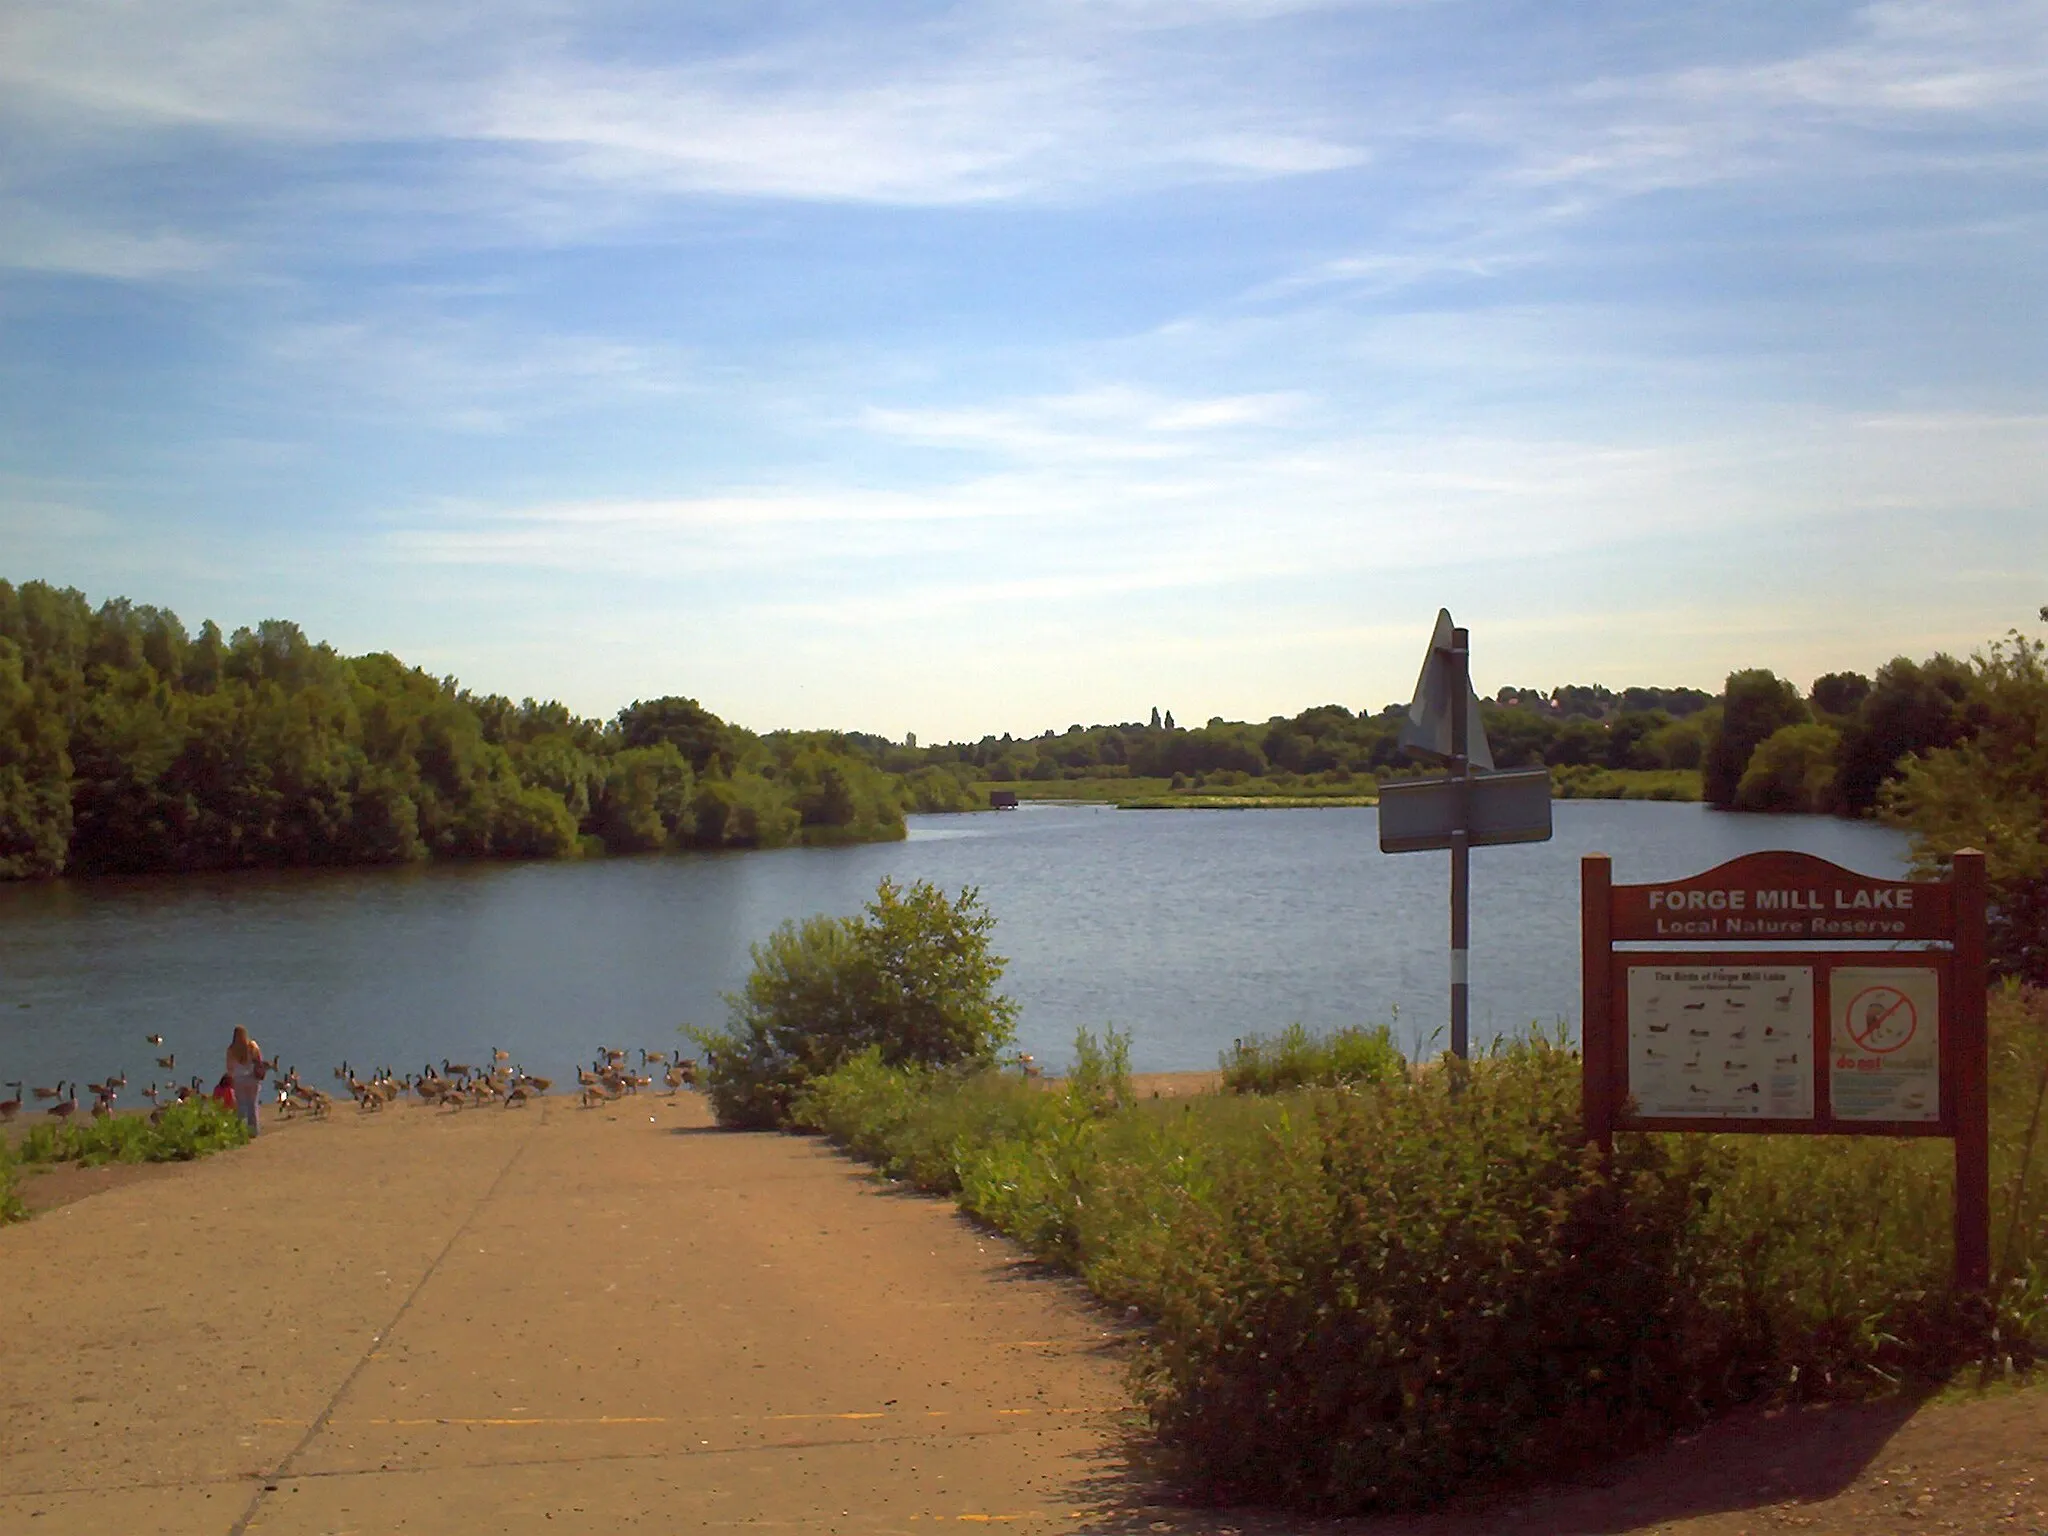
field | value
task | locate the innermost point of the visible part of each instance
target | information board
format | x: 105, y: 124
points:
x: 1713, y: 1042
x: 1880, y: 1033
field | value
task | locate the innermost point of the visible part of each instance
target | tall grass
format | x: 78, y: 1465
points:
x: 1373, y: 1294
x: 11, y: 1208
x: 1297, y: 1059
x: 182, y: 1132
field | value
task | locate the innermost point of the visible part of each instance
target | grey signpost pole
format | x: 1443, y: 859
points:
x: 1461, y: 849
x: 1473, y: 806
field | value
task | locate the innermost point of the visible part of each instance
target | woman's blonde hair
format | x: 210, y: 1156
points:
x: 241, y: 1048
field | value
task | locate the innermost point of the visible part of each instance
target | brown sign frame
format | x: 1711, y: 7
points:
x: 1779, y: 896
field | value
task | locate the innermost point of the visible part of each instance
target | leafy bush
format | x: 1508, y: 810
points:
x: 912, y: 977
x: 1297, y: 1059
x: 1377, y: 1295
x: 184, y: 1132
x: 11, y: 1208
x: 1989, y: 792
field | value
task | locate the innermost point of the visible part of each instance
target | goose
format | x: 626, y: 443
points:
x: 457, y: 1068
x: 99, y: 1090
x: 519, y: 1094
x: 168, y: 1062
x: 498, y: 1055
x: 64, y: 1109
x: 50, y: 1093
x: 9, y: 1108
x: 674, y: 1078
x: 537, y: 1084
x: 102, y: 1106
x: 154, y: 1039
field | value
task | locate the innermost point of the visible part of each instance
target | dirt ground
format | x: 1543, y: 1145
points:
x: 572, y: 1320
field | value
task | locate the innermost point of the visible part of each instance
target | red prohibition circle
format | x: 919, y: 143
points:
x: 1876, y: 1012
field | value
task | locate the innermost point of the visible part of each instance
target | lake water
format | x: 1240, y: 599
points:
x: 1184, y: 928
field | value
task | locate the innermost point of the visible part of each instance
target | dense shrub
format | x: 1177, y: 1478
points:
x: 183, y: 1132
x: 1296, y: 1059
x: 11, y: 1208
x: 912, y: 977
x: 1375, y: 1295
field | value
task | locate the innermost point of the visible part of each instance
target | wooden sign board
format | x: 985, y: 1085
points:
x: 1838, y: 1041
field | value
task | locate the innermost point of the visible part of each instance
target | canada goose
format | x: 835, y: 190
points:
x: 154, y: 1039
x: 537, y: 1084
x: 498, y: 1055
x: 102, y: 1106
x: 674, y: 1078
x: 519, y: 1094
x: 64, y: 1109
x: 9, y: 1108
x: 50, y: 1093
x: 648, y: 1058
x: 457, y: 1068
x: 586, y: 1077
x: 98, y: 1090
x: 168, y: 1062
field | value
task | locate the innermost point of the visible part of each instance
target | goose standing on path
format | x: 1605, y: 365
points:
x: 64, y: 1109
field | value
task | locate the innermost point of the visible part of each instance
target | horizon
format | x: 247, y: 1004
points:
x: 959, y: 364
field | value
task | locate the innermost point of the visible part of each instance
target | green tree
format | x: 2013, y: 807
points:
x: 1990, y: 792
x: 1754, y: 704
x: 912, y: 977
x: 1792, y: 769
x: 1911, y: 708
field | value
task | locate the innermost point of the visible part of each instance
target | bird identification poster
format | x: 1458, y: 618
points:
x: 1721, y: 1042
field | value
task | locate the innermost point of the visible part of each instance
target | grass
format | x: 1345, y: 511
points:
x: 185, y: 1131
x: 1589, y: 783
x: 1370, y: 1286
x: 1239, y: 791
x: 11, y: 1208
x: 1297, y: 1059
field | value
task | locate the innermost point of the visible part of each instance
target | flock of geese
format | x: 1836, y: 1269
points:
x: 454, y: 1085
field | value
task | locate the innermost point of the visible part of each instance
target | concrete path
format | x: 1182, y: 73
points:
x: 543, y: 1319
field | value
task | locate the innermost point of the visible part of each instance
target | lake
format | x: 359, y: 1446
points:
x: 1186, y: 928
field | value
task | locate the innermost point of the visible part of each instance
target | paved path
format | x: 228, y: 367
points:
x: 544, y: 1319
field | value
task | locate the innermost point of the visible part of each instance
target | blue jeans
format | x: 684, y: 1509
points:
x: 245, y: 1106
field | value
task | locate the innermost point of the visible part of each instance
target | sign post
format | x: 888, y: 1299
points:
x: 1722, y: 1035
x: 1462, y: 810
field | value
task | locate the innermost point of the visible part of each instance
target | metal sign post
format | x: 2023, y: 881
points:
x: 1461, y: 850
x: 1471, y: 807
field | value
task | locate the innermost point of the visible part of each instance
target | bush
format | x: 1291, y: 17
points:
x: 1380, y: 1294
x: 913, y: 978
x: 11, y: 1208
x: 184, y: 1132
x: 1297, y: 1059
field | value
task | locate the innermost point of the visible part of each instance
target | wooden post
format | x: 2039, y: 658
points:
x: 1968, y: 1054
x: 1596, y: 1003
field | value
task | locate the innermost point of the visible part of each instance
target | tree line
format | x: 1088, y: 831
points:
x: 130, y: 744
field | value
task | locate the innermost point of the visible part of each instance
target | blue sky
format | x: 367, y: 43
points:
x: 971, y: 368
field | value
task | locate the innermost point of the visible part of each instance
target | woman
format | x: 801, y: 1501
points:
x: 246, y: 1070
